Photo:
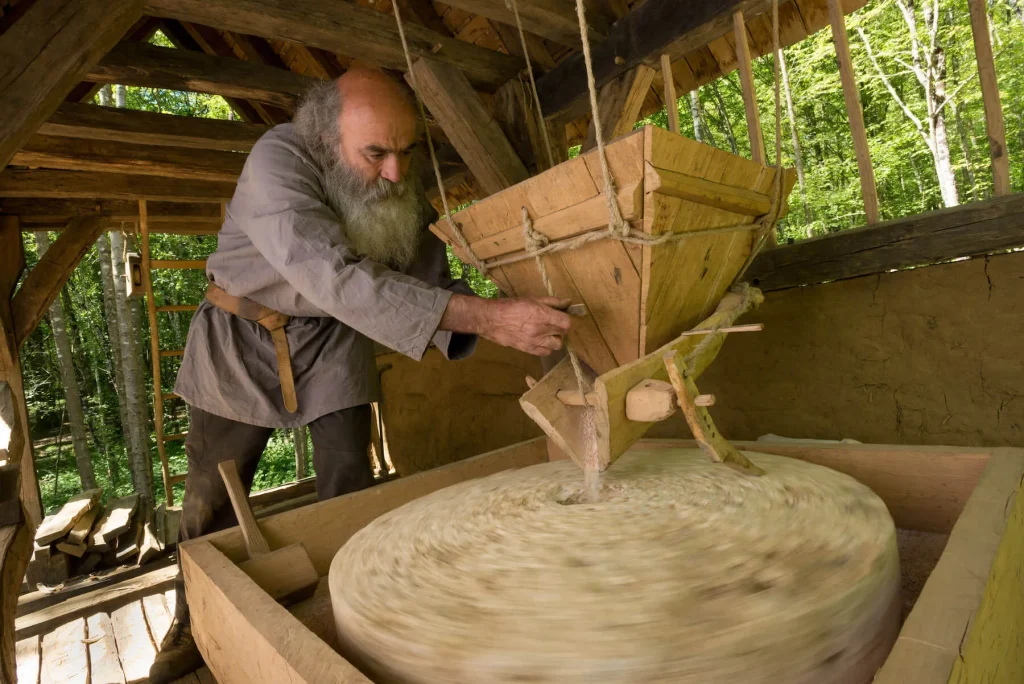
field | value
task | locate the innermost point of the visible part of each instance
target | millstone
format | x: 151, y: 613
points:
x: 683, y: 571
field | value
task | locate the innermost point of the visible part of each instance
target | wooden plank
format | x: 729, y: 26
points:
x: 178, y: 264
x: 28, y: 655
x: 60, y: 211
x: 749, y: 93
x: 990, y: 97
x: 104, y: 664
x: 670, y: 98
x: 134, y: 646
x: 117, y: 518
x: 65, y: 656
x: 158, y: 615
x: 469, y: 126
x: 343, y: 28
x: 57, y: 184
x: 232, y: 615
x: 565, y: 223
x: 128, y: 126
x: 324, y: 526
x: 970, y: 229
x: 77, y: 154
x: 703, y: 191
x: 152, y: 66
x: 56, y: 526
x: 555, y: 21
x: 656, y: 27
x: 46, y: 53
x: 80, y: 532
x: 853, y: 110
x: 619, y: 102
x: 951, y: 596
x: 992, y: 651
x: 44, y: 282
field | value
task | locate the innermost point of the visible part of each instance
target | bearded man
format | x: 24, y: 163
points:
x: 324, y: 250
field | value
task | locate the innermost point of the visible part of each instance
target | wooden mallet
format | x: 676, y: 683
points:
x: 286, y: 574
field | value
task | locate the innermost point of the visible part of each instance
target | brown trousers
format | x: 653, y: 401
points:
x: 340, y: 458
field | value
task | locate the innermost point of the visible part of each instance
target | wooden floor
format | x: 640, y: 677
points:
x: 103, y: 648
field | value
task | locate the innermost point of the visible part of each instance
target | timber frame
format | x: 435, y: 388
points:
x: 952, y: 634
x: 58, y: 171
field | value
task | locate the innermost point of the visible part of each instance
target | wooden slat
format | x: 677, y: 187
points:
x: 91, y: 122
x: 164, y: 353
x: 178, y: 264
x: 50, y: 183
x: 151, y: 66
x: 158, y: 615
x: 167, y: 396
x: 134, y: 645
x: 469, y: 126
x: 117, y: 519
x: 104, y: 665
x: 177, y: 437
x: 749, y: 93
x: 35, y: 210
x: 27, y: 654
x: 177, y: 479
x: 176, y: 307
x: 990, y: 97
x: 669, y: 84
x: 77, y: 154
x: 44, y: 282
x: 853, y: 110
x: 707, y: 192
x: 56, y: 526
x: 46, y: 53
x: 343, y: 28
x: 555, y: 21
x: 619, y: 102
x: 970, y: 229
x: 102, y: 600
x: 65, y: 656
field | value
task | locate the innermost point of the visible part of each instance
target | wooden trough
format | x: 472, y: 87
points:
x: 957, y: 631
x: 639, y: 297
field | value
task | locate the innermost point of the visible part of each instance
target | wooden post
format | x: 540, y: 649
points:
x: 739, y: 28
x: 154, y: 346
x: 619, y: 102
x: 854, y: 112
x: 671, y: 104
x: 990, y: 98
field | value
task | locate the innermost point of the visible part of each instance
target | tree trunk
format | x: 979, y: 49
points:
x: 120, y: 96
x: 965, y: 143
x: 695, y: 113
x: 66, y: 367
x: 105, y: 96
x: 301, y: 455
x: 798, y: 156
x: 724, y: 114
x: 110, y: 314
x: 940, y: 140
x: 131, y: 361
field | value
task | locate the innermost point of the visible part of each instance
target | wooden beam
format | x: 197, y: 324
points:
x: 148, y: 160
x: 540, y: 56
x: 938, y: 236
x: 853, y: 110
x: 48, y: 183
x: 749, y: 93
x: 91, y: 122
x: 52, y: 211
x: 555, y: 21
x: 656, y: 27
x: 15, y: 551
x: 670, y: 97
x: 619, y: 102
x: 471, y: 129
x: 142, y: 64
x: 344, y: 28
x: 46, y: 53
x: 990, y: 98
x: 44, y: 282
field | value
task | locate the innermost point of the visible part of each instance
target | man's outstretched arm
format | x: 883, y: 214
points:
x: 535, y: 326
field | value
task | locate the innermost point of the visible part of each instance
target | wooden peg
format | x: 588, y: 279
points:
x: 531, y: 381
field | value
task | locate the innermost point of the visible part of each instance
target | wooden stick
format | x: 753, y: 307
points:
x: 990, y: 98
x: 671, y: 101
x: 255, y: 542
x: 854, y: 112
x: 739, y: 28
x: 746, y: 327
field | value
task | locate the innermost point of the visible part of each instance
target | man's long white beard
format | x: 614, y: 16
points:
x: 384, y: 222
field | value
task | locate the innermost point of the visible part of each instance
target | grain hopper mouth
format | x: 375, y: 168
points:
x: 696, y: 216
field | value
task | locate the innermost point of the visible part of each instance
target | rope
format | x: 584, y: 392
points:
x: 454, y: 225
x: 533, y: 83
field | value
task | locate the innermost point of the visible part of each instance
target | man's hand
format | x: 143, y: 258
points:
x: 535, y: 326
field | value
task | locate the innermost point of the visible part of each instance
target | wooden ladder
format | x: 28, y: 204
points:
x: 159, y: 396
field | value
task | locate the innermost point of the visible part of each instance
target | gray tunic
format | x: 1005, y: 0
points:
x: 282, y: 246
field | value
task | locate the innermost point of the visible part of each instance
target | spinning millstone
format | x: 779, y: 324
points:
x: 683, y: 571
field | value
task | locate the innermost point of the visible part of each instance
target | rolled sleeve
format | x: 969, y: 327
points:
x: 280, y: 207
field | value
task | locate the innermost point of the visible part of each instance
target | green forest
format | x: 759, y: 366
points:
x: 922, y: 105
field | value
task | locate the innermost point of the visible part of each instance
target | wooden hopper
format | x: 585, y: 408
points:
x: 638, y: 298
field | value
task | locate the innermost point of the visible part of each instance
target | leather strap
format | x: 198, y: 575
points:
x: 273, y: 321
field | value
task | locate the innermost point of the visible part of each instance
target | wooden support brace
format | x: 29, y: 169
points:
x: 739, y: 28
x: 671, y: 104
x: 701, y: 425
x: 990, y: 97
x: 619, y: 104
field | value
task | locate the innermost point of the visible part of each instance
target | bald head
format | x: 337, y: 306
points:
x: 377, y: 123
